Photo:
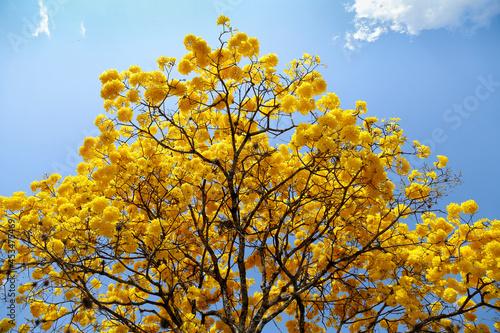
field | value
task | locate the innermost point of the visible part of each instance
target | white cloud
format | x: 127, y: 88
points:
x: 82, y: 30
x: 376, y: 17
x: 336, y: 39
x: 43, y: 26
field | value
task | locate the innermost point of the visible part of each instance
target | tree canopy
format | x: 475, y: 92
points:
x: 225, y: 194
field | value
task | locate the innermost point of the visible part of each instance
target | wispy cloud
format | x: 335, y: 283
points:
x: 375, y: 18
x: 83, y: 30
x: 43, y: 26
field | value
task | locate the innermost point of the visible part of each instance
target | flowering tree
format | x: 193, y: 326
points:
x: 238, y: 197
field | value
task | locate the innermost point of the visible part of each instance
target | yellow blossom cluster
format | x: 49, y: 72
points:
x: 240, y: 193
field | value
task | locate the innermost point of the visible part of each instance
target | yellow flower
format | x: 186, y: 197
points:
x: 37, y: 308
x: 200, y: 48
x: 122, y: 329
x: 431, y: 175
x: 125, y: 115
x: 471, y: 317
x: 133, y: 95
x: 422, y: 230
x: 99, y: 203
x: 330, y: 101
x: 469, y: 207
x: 24, y: 288
x: 193, y: 292
x: 109, y: 75
x: 164, y: 62
x: 254, y: 43
x: 155, y: 95
x: 155, y: 227
x: 402, y: 166
x: 493, y: 248
x: 118, y: 268
x: 96, y: 284
x: 469, y: 303
x: 361, y: 106
x: 24, y: 328
x: 443, y: 160
x: 305, y: 106
x: 186, y: 104
x: 236, y: 40
x: 423, y: 151
x: 450, y: 295
x: 351, y: 133
x: 250, y: 105
x: 47, y: 325
x: 187, y: 190
x: 189, y: 39
x: 112, y: 89
x: 138, y: 78
x: 57, y: 246
x: 185, y: 66
x: 319, y: 86
x: 305, y: 91
x: 417, y: 191
x: 67, y: 210
x: 223, y: 20
x: 288, y: 103
x: 245, y: 49
x: 111, y: 214
x: 402, y: 297
x: 69, y: 294
x: 269, y: 60
x: 134, y: 69
x: 414, y: 174
x: 7, y: 324
x: 197, y: 83
x: 453, y: 210
x: 177, y: 87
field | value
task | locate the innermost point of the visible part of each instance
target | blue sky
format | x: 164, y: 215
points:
x: 424, y: 63
x: 434, y: 64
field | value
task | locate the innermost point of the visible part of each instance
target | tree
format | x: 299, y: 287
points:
x: 238, y: 197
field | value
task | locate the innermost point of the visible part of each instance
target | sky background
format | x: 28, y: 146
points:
x: 433, y: 63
